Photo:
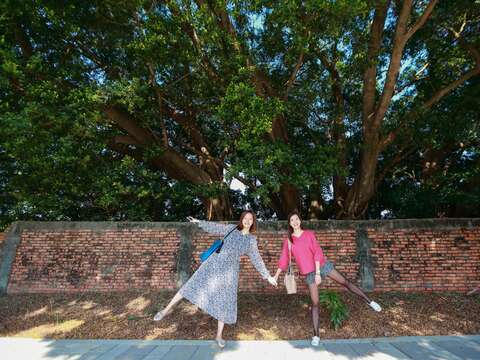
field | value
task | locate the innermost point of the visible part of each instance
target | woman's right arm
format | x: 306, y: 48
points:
x: 213, y: 227
x: 284, y: 259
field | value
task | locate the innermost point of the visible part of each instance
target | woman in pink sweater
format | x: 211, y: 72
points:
x: 312, y: 262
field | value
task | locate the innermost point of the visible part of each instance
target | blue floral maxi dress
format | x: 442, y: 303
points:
x: 214, y: 286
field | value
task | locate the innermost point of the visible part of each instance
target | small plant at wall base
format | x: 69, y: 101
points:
x: 335, y: 305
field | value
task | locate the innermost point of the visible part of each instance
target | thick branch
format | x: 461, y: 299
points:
x: 444, y: 91
x: 399, y: 43
x: 126, y: 122
x: 420, y: 22
x: 179, y: 168
x: 338, y: 128
x: 389, y: 138
x: 414, y: 80
x: 188, y: 125
x: 291, y: 80
x: 453, y: 85
x: 402, y: 34
x: 17, y: 86
x: 406, y: 151
x: 125, y: 139
x: 197, y: 44
x: 169, y: 160
x: 123, y: 149
x: 158, y: 95
x: 23, y: 40
x: 223, y: 20
x: 336, y: 84
x: 463, y: 43
x: 370, y: 74
x: 262, y: 84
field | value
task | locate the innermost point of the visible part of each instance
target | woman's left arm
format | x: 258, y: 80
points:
x: 256, y: 259
x: 318, y: 255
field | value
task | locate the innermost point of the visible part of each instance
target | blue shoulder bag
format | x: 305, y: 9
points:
x: 215, y: 247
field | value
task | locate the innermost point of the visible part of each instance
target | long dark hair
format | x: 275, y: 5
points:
x: 253, y: 228
x: 290, y: 228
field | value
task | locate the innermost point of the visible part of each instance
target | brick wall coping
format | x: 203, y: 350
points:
x: 444, y: 223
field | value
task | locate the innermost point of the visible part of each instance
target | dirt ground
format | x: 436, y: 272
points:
x: 128, y: 315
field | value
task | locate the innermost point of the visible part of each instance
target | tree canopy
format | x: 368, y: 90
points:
x: 150, y: 109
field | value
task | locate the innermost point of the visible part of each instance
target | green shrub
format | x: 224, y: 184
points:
x: 335, y: 305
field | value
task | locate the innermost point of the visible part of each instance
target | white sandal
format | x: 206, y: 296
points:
x: 221, y: 343
x: 375, y: 306
x: 160, y: 315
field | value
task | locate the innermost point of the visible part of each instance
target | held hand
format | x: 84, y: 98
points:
x: 192, y: 219
x: 272, y: 281
x: 318, y: 279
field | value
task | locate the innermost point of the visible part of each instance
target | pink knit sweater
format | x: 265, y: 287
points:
x: 305, y: 250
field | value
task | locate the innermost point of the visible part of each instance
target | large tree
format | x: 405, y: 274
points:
x: 311, y: 104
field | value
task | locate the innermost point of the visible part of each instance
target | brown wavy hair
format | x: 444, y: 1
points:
x: 290, y: 229
x: 253, y: 228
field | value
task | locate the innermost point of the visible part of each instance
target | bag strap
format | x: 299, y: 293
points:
x: 228, y: 234
x: 289, y: 256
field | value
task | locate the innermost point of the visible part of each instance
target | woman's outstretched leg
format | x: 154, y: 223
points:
x: 339, y: 278
x: 218, y: 338
x: 161, y: 314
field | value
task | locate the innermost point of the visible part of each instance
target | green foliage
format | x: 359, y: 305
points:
x: 337, y: 308
x: 253, y: 114
x: 441, y: 175
x: 162, y: 63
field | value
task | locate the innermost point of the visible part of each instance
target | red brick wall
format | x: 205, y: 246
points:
x: 426, y: 259
x: 420, y: 260
x: 102, y: 260
x: 91, y: 260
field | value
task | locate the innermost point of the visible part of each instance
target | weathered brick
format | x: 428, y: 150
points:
x: 79, y: 260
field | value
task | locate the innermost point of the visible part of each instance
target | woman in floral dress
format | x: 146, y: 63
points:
x: 214, y: 286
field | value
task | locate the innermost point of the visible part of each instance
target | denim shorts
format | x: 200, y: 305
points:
x: 324, y: 271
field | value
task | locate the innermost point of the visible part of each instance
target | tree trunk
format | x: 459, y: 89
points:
x: 373, y: 111
x: 218, y: 208
x: 289, y: 198
x: 315, y: 203
x: 363, y: 188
